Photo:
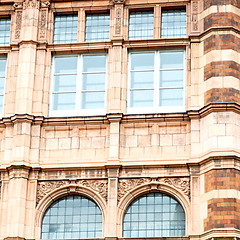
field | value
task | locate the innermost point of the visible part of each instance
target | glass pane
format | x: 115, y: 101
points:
x: 69, y: 229
x: 5, y: 24
x: 170, y: 60
x: 64, y: 101
x: 142, y: 61
x: 94, y: 63
x: 158, y: 224
x: 142, y: 79
x: 171, y: 78
x: 65, y: 83
x: 171, y: 97
x: 97, y: 27
x: 93, y: 100
x: 140, y: 25
x: 141, y: 98
x: 1, y: 104
x: 65, y: 29
x: 65, y: 65
x: 173, y: 23
x: 2, y: 67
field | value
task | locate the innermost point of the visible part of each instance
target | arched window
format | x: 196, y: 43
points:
x: 154, y: 215
x: 72, y: 217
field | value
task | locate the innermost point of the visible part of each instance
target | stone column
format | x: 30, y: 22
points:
x: 27, y: 56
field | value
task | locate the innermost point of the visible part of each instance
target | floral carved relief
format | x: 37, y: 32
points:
x: 43, y: 22
x: 183, y: 184
x: 100, y: 186
x: 46, y: 187
x: 126, y: 185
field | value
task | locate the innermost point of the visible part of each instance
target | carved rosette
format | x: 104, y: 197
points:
x: 125, y: 185
x: 183, y: 184
x: 46, y: 187
x: 100, y: 186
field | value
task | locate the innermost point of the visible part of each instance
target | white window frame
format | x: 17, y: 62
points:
x: 4, y: 88
x: 156, y: 108
x: 77, y: 111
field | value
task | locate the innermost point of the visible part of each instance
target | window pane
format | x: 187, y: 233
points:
x: 70, y: 229
x: 97, y: 27
x: 94, y: 63
x: 141, y: 98
x: 65, y: 65
x: 142, y: 79
x: 93, y: 100
x: 173, y: 23
x: 172, y: 60
x: 65, y: 83
x: 64, y: 101
x: 158, y: 224
x: 5, y: 24
x: 143, y: 61
x: 171, y: 78
x: 65, y: 29
x: 171, y: 97
x: 140, y: 25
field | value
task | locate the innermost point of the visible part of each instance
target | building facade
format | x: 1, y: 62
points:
x: 120, y: 119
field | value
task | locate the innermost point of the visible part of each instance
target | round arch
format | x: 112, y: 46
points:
x: 61, y: 192
x: 150, y: 188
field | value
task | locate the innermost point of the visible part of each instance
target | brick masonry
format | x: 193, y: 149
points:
x: 221, y: 69
x: 221, y: 42
x: 223, y: 213
x: 222, y: 95
x: 222, y: 179
x: 222, y: 19
x: 209, y: 3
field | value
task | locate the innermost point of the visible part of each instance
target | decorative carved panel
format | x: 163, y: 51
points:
x: 118, y: 20
x: 100, y: 186
x: 18, y: 24
x: 125, y: 185
x: 46, y: 187
x: 195, y: 16
x: 43, y: 22
x: 30, y: 4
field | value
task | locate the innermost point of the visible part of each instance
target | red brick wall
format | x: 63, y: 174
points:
x: 221, y: 69
x: 209, y: 3
x: 222, y: 95
x: 222, y: 179
x: 223, y: 213
x: 219, y: 42
x: 221, y: 19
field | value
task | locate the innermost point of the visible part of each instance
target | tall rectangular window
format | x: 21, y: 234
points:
x: 97, y: 27
x: 65, y: 29
x: 78, y: 85
x: 173, y: 23
x: 140, y: 25
x: 156, y: 81
x: 3, y: 63
x: 5, y: 24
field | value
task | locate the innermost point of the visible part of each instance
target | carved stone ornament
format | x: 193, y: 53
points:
x: 182, y: 184
x: 45, y: 4
x: 118, y: 20
x: 125, y: 185
x: 46, y: 187
x: 18, y: 5
x: 195, y: 16
x: 43, y: 22
x: 118, y: 1
x: 30, y: 4
x: 100, y: 186
x: 18, y: 24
